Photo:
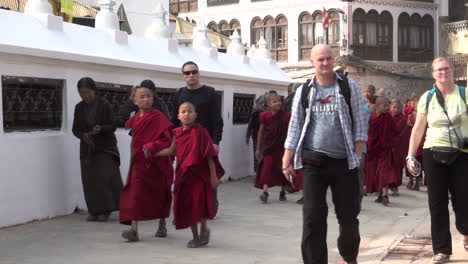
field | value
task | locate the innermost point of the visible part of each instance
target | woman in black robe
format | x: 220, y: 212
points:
x: 94, y: 125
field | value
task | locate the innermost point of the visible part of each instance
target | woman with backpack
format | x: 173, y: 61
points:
x: 443, y: 110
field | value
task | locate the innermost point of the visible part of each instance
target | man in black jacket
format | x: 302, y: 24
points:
x: 205, y: 100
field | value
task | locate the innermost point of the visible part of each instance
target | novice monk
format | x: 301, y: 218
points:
x: 270, y: 148
x: 197, y: 173
x: 399, y: 150
x: 379, y: 172
x: 147, y: 194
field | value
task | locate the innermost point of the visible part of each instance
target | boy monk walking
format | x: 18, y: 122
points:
x: 197, y: 173
x: 147, y: 194
x: 379, y: 171
x: 271, y: 136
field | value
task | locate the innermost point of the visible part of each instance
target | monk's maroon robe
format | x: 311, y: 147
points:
x: 378, y: 165
x: 275, y: 128
x: 147, y: 194
x: 400, y: 149
x: 193, y: 193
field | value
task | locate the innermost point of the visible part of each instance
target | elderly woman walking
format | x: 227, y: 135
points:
x: 443, y: 110
x: 93, y: 124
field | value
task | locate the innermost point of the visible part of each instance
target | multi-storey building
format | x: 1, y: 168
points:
x: 386, y: 42
x: 456, y: 29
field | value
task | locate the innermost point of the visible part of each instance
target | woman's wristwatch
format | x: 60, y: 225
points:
x: 285, y: 168
x: 411, y: 158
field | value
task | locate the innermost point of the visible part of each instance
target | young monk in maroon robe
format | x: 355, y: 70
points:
x: 403, y: 135
x: 147, y: 194
x: 197, y: 173
x: 379, y: 172
x: 270, y: 148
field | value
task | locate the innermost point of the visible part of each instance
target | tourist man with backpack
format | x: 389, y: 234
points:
x: 326, y: 134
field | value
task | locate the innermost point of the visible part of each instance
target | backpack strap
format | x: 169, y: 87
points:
x: 345, y: 90
x: 305, y: 94
x: 463, y: 96
x: 430, y: 94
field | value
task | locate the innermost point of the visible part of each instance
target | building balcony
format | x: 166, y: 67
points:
x: 457, y: 37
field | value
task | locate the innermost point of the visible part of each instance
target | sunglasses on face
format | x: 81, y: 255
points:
x: 190, y: 72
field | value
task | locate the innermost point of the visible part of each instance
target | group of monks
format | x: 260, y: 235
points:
x: 147, y: 194
x: 390, y: 127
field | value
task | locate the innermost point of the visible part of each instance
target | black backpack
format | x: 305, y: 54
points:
x: 345, y: 90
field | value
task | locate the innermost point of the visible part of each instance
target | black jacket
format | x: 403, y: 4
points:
x: 207, y: 106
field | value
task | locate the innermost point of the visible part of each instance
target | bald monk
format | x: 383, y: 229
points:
x: 369, y: 93
x: 379, y: 172
x: 270, y: 148
x: 147, y: 193
x: 197, y: 173
x: 403, y: 134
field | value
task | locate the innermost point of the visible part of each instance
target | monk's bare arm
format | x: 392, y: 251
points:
x: 214, y: 180
x: 170, y: 151
x: 259, y: 150
x: 417, y: 133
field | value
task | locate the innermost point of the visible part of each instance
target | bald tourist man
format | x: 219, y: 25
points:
x: 328, y: 129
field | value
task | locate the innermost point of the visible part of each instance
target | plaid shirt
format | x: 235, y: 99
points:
x: 297, y: 130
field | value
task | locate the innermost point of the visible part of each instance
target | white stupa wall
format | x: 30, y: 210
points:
x: 40, y: 171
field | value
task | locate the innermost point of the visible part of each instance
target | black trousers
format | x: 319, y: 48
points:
x: 344, y: 184
x: 440, y: 181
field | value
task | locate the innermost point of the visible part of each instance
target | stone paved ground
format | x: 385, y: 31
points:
x: 245, y: 231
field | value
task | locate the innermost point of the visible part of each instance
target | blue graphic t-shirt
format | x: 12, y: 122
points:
x: 324, y: 132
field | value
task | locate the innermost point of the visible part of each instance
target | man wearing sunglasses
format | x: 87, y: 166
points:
x: 205, y: 100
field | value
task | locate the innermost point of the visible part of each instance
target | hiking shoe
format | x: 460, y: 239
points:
x: 102, y: 218
x: 282, y: 196
x: 91, y: 218
x: 131, y: 235
x: 264, y: 197
x: 300, y: 201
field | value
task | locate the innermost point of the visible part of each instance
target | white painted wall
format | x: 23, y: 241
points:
x: 40, y: 170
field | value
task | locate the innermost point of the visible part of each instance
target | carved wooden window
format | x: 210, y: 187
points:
x: 116, y: 94
x: 242, y: 107
x: 183, y: 6
x: 235, y: 25
x: 333, y: 30
x: 213, y: 26
x: 275, y: 32
x: 256, y: 30
x: 415, y: 38
x: 306, y: 36
x: 31, y: 104
x: 372, y: 35
x: 221, y: 2
x: 224, y: 28
x: 319, y: 35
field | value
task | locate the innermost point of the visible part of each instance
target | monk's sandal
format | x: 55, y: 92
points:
x: 264, y: 197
